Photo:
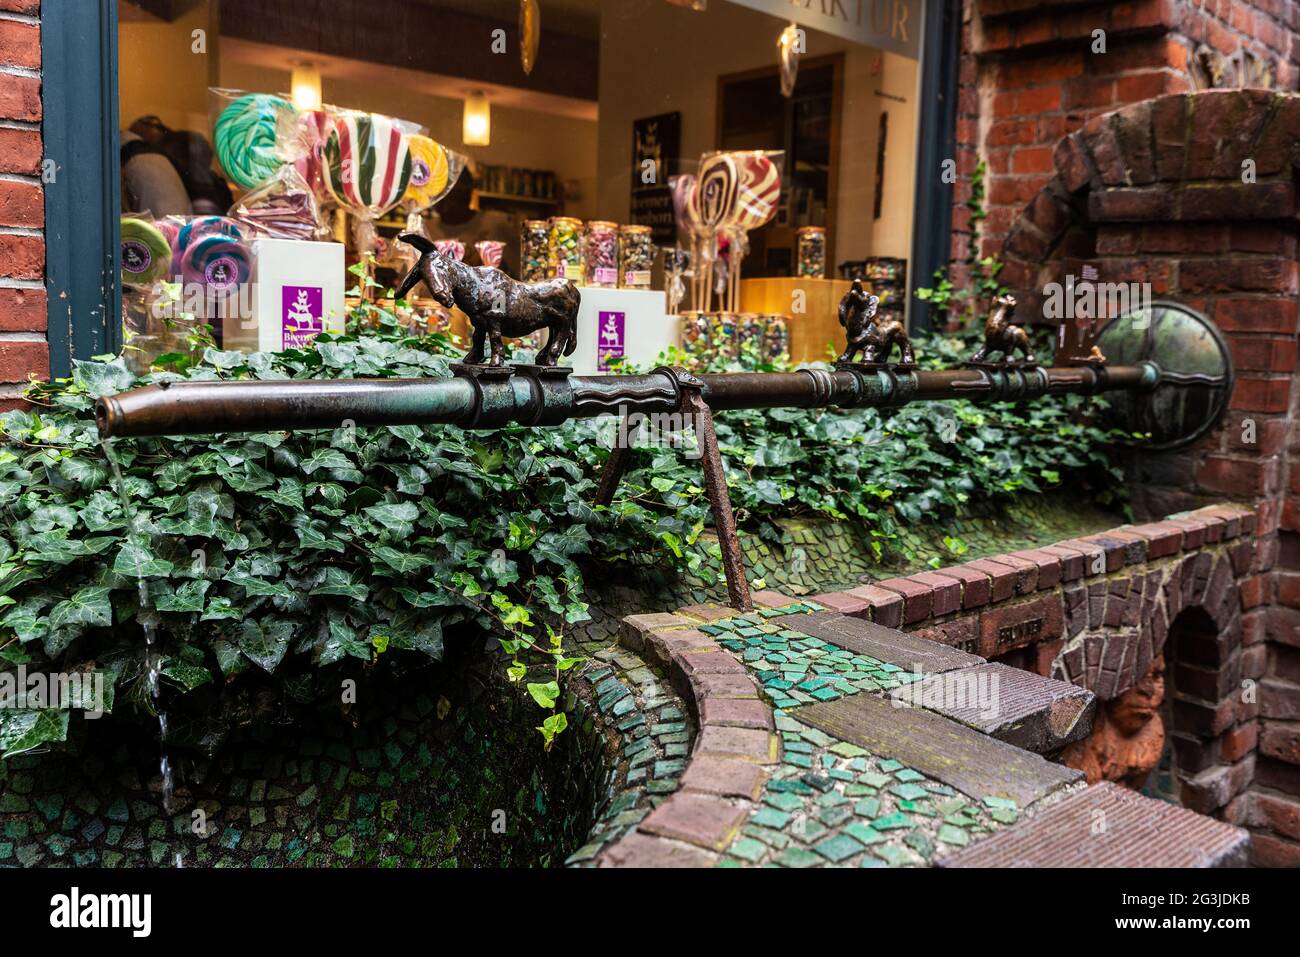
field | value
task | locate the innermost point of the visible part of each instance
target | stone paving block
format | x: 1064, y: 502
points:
x: 976, y: 586
x: 645, y: 850
x: 726, y: 777
x: 771, y: 599
x: 751, y: 744
x: 886, y: 606
x: 941, y: 748
x: 843, y: 603
x: 885, y: 644
x: 1002, y: 578
x: 1139, y: 832
x: 707, y: 612
x: 917, y: 598
x: 1019, y: 707
x: 732, y: 685
x: 736, y: 713
x: 700, y: 819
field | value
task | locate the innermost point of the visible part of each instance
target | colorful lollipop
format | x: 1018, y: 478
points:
x: 217, y: 261
x: 146, y: 252
x: 366, y: 162
x: 451, y: 248
x: 760, y: 189
x: 244, y: 137
x: 714, y: 199
x: 489, y: 252
x: 429, y: 173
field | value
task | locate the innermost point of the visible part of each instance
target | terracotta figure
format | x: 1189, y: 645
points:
x: 1129, y: 736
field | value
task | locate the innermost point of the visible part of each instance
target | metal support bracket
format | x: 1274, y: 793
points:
x: 692, y: 403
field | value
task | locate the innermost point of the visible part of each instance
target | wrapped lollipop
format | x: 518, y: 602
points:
x: 146, y: 252
x: 489, y: 252
x: 245, y: 135
x: 434, y: 171
x: 366, y: 163
x: 451, y: 248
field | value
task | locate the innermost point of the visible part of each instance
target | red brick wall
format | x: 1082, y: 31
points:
x: 23, y: 348
x: 1029, y: 76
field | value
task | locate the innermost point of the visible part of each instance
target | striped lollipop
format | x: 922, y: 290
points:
x: 429, y: 173
x: 717, y: 187
x: 366, y: 162
x: 760, y: 189
x: 244, y: 136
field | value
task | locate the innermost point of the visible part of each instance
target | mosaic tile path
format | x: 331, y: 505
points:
x: 830, y: 803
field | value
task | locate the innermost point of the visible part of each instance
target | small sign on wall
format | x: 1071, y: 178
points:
x: 656, y: 142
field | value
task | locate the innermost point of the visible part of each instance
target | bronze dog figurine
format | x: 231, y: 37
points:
x: 498, y: 305
x: 1001, y: 335
x: 875, y: 340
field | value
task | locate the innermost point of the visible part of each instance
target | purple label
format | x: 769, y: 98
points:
x: 610, y: 341
x: 420, y: 172
x: 302, y: 315
x: 221, y: 273
x: 135, y: 256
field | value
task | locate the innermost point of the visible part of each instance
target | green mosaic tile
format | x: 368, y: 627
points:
x: 838, y: 848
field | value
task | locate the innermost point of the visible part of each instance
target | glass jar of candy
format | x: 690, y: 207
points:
x: 564, y: 248
x: 636, y: 253
x: 532, y: 250
x: 600, y: 254
x: 812, y: 251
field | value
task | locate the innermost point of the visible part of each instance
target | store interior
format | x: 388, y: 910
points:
x: 611, y: 85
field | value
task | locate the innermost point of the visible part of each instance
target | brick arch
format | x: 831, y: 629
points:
x: 1153, y: 193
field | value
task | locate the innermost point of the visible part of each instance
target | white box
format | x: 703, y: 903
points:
x: 632, y: 323
x: 297, y: 293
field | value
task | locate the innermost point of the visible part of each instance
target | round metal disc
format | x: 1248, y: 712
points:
x: 1195, y: 372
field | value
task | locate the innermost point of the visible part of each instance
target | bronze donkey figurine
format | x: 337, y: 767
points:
x: 498, y: 305
x: 874, y: 339
x: 1000, y: 335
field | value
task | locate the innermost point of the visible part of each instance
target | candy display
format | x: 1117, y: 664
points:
x: 750, y: 333
x: 811, y: 252
x: 600, y: 254
x: 451, y: 248
x: 533, y: 254
x: 430, y: 173
x: 281, y: 208
x: 244, y: 137
x: 564, y: 248
x: 695, y: 332
x: 489, y: 252
x: 146, y: 252
x: 776, y: 338
x: 636, y: 256
x: 723, y: 339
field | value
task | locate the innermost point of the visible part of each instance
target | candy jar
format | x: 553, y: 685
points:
x: 636, y: 251
x: 564, y: 248
x: 722, y: 334
x: 695, y: 333
x: 600, y: 254
x: 776, y: 339
x: 749, y: 337
x: 812, y: 252
x: 532, y: 250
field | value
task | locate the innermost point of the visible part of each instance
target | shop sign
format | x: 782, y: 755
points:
x: 656, y: 141
x: 302, y: 316
x: 612, y: 340
x: 893, y: 25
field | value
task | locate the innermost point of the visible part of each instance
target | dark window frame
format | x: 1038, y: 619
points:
x: 937, y: 141
x: 79, y: 131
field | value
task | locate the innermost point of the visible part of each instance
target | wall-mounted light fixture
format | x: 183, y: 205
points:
x: 304, y: 86
x: 476, y: 130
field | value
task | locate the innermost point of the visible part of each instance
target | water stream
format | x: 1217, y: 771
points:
x: 148, y: 623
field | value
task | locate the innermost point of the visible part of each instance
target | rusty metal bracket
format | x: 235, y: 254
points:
x: 691, y: 402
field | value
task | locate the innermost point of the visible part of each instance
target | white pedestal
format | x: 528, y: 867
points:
x: 297, y: 294
x: 632, y: 323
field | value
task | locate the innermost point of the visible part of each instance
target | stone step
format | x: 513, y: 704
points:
x: 1032, y: 712
x: 885, y: 644
x: 1109, y: 826
x: 958, y: 756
